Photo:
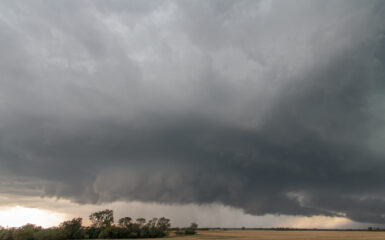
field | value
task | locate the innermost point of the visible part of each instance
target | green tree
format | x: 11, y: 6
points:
x: 152, y: 222
x: 25, y: 232
x: 194, y: 226
x: 91, y: 232
x: 7, y: 234
x: 102, y: 219
x: 72, y: 229
x: 192, y: 229
x: 50, y: 234
x: 112, y: 232
x: 141, y: 221
x: 163, y: 224
x: 125, y: 222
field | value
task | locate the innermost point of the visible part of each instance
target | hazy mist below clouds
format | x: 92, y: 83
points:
x: 271, y: 107
x: 207, y: 215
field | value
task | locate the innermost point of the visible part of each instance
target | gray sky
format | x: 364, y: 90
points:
x: 270, y: 111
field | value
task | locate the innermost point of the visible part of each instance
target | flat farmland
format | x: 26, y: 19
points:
x: 281, y: 235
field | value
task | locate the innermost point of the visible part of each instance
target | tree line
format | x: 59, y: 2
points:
x: 102, y: 227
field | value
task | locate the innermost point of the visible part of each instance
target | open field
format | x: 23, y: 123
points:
x: 283, y: 235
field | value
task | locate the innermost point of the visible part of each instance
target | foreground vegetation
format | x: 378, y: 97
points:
x: 102, y: 227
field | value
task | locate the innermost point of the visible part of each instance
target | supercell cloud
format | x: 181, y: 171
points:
x: 273, y: 107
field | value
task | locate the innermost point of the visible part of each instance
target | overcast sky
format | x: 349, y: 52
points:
x: 267, y: 112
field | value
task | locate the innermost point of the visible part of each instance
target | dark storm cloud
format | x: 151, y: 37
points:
x: 272, y: 107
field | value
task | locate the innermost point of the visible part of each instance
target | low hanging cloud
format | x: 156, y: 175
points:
x: 273, y: 107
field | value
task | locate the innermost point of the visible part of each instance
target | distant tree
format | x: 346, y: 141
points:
x: 50, y: 234
x: 25, y: 232
x: 125, y: 222
x: 113, y: 232
x: 163, y: 224
x: 150, y: 228
x: 194, y: 226
x: 102, y: 219
x: 152, y: 223
x: 72, y: 229
x: 102, y: 227
x: 91, y: 232
x: 192, y: 229
x: 141, y: 221
x: 7, y: 233
x: 155, y: 228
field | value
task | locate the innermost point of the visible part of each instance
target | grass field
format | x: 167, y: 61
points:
x: 281, y: 235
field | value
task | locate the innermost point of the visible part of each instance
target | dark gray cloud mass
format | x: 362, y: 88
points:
x: 269, y: 106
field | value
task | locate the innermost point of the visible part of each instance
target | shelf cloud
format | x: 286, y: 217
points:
x: 272, y: 107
